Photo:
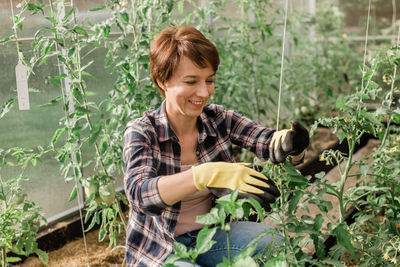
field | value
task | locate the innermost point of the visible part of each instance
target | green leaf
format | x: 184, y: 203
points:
x: 103, y: 146
x: 71, y: 52
x: 98, y: 8
x: 87, y: 74
x: 204, y: 240
x: 294, y: 176
x: 181, y: 250
x: 74, y: 193
x: 70, y: 12
x: 180, y: 6
x: 106, y: 31
x: 125, y: 17
x: 279, y: 261
x: 370, y: 117
x: 341, y: 136
x: 52, y: 102
x: 35, y: 8
x: 244, y: 261
x: 52, y: 20
x: 340, y: 102
x: 343, y: 237
x: 82, y: 110
x: 170, y: 5
x: 256, y: 205
x: 319, y: 246
x: 29, y: 245
x: 43, y: 256
x: 318, y: 222
x: 77, y: 94
x: 92, y: 223
x: 102, y: 233
x: 333, y: 262
x: 5, y: 40
x: 6, y: 107
x: 294, y: 201
x: 56, y: 135
x: 80, y: 30
x: 94, y: 134
x: 171, y: 258
x: 209, y: 218
x: 13, y: 259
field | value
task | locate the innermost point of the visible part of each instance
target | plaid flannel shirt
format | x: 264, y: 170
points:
x: 151, y: 150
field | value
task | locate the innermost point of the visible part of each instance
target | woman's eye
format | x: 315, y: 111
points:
x: 210, y: 81
x: 190, y: 82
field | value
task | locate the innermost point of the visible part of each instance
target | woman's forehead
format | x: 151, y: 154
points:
x: 188, y: 67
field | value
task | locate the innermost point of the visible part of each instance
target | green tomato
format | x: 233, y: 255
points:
x: 35, y: 224
x: 304, y: 110
x: 107, y: 193
x: 18, y: 198
x: 92, y: 188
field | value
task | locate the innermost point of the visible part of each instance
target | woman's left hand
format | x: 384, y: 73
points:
x: 289, y: 142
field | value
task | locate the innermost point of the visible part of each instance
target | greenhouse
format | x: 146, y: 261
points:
x: 200, y: 133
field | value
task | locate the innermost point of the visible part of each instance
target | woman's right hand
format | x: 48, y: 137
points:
x: 224, y: 177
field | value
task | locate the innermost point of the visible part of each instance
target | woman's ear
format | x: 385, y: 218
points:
x: 162, y: 85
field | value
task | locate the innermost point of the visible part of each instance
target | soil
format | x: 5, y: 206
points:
x: 73, y: 253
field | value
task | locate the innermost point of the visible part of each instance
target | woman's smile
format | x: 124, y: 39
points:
x: 198, y: 104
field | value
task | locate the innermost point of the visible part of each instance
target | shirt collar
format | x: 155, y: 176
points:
x: 165, y: 131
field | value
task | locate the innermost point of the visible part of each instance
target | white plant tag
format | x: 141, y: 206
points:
x: 21, y: 74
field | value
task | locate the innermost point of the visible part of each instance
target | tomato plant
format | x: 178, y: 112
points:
x: 20, y: 218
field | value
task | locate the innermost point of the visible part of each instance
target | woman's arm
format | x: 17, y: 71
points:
x: 146, y: 190
x: 175, y: 187
x: 247, y: 134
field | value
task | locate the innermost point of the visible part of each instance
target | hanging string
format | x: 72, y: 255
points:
x: 365, y: 46
x: 15, y: 30
x: 64, y: 92
x: 76, y: 180
x: 389, y: 121
x: 282, y: 61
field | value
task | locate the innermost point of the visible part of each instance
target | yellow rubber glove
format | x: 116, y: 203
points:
x: 289, y: 142
x: 221, y: 178
x: 229, y: 176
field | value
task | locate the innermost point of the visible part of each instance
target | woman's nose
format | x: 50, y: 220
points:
x: 205, y: 90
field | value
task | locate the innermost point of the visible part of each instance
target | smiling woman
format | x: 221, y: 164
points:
x: 179, y: 156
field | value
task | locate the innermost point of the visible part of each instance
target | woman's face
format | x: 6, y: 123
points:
x: 189, y: 89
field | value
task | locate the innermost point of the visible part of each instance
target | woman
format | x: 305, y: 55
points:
x: 176, y: 155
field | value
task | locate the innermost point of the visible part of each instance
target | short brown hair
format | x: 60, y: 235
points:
x: 171, y: 44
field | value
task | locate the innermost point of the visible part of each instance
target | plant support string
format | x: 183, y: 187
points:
x: 66, y: 90
x: 282, y: 61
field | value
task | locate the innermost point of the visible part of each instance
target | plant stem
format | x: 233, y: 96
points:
x: 389, y: 120
x: 3, y: 257
x: 135, y: 42
x: 3, y: 193
x: 228, y: 241
x: 121, y: 215
x: 282, y: 218
x: 344, y: 179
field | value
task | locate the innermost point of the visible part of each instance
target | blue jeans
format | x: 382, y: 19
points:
x: 240, y: 235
